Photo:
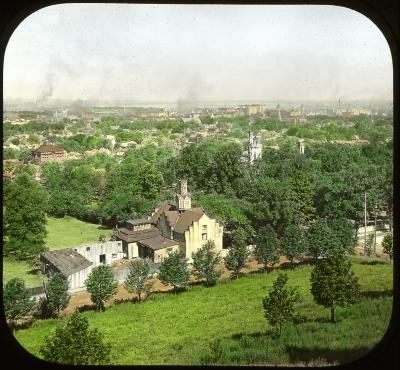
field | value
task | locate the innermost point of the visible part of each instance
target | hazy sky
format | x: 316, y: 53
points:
x: 197, y: 52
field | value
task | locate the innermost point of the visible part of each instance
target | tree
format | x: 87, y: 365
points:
x: 387, y: 245
x: 205, y: 261
x: 236, y: 259
x: 101, y: 285
x: 173, y: 270
x: 266, y: 250
x: 139, y: 271
x: 369, y: 245
x: 293, y: 242
x: 321, y: 240
x: 333, y: 284
x: 56, y: 291
x: 24, y: 218
x: 343, y: 231
x: 279, y: 303
x: 73, y: 343
x: 17, y: 300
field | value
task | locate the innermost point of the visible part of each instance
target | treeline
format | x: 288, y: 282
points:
x: 282, y: 189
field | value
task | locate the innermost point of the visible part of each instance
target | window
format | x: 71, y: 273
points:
x: 114, y: 255
x: 103, y: 259
x: 204, y: 236
x: 204, y: 228
x: 88, y: 248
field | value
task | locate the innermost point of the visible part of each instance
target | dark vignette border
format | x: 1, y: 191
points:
x: 384, y: 13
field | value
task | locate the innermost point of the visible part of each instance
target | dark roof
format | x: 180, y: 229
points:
x: 46, y: 148
x: 158, y: 242
x: 164, y: 206
x: 133, y: 236
x: 140, y: 221
x: 67, y: 261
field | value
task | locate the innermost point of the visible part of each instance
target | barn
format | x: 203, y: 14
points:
x: 68, y: 262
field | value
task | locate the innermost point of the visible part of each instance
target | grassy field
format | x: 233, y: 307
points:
x: 62, y: 233
x: 69, y: 232
x: 12, y: 269
x: 202, y: 325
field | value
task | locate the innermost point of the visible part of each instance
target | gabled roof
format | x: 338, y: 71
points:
x: 164, y: 206
x: 187, y: 218
x: 67, y: 261
x: 48, y: 148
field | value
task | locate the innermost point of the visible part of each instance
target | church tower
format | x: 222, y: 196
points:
x: 183, y: 197
x: 254, y: 148
x: 300, y: 145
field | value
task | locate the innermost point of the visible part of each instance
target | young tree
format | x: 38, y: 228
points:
x: 333, y: 284
x: 139, y: 271
x: 267, y: 246
x: 73, y: 343
x: 293, y: 242
x: 387, y: 245
x: 205, y: 261
x: 279, y: 303
x: 369, y: 246
x: 236, y: 259
x: 173, y: 270
x: 17, y: 301
x: 24, y: 218
x: 101, y: 285
x: 56, y: 291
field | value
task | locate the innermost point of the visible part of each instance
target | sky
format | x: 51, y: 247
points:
x: 178, y: 53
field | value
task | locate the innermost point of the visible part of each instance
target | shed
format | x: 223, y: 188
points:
x: 68, y: 262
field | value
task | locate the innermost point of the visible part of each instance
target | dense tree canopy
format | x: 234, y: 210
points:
x: 24, y: 218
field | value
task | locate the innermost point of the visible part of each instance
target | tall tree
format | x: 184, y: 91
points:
x: 266, y: 250
x: 24, y: 218
x: 280, y: 301
x: 293, y: 243
x: 300, y: 183
x: 343, y: 232
x: 205, y: 262
x: 101, y: 285
x: 73, y: 343
x: 173, y: 270
x: 18, y: 303
x: 139, y: 271
x: 321, y: 240
x: 333, y: 284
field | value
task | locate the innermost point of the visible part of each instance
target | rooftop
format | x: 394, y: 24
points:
x: 48, y: 148
x: 157, y: 242
x: 67, y: 261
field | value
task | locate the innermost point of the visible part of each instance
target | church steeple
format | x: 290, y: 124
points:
x: 183, y: 197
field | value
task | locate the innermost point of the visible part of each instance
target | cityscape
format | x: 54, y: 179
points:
x: 175, y: 198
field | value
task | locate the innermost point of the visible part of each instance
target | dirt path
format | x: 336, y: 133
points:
x: 81, y: 300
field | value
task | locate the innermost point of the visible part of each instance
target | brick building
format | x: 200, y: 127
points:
x: 48, y: 153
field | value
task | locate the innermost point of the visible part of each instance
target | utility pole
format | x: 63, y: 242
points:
x: 365, y: 223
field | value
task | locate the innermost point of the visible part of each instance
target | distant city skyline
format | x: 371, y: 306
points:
x: 196, y: 53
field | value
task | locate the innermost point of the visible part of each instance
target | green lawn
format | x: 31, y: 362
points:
x: 69, y: 232
x: 12, y: 269
x: 185, y: 328
x: 62, y: 233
